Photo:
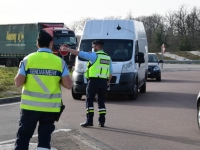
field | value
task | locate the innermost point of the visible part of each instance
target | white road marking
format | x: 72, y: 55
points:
x: 9, y: 104
x: 35, y: 135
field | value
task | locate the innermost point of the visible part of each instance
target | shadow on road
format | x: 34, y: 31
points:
x: 183, y: 140
x: 157, y: 99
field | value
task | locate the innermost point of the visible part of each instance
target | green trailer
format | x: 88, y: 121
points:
x: 19, y: 40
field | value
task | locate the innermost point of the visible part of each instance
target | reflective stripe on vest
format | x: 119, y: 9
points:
x: 100, y: 68
x: 41, y: 91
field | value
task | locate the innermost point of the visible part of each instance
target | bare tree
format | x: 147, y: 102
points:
x: 82, y: 22
x: 112, y: 17
x: 129, y: 15
x: 74, y: 26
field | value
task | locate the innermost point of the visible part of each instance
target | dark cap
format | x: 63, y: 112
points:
x: 43, y: 35
x: 101, y: 42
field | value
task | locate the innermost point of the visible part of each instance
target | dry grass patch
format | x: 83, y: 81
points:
x: 7, y: 88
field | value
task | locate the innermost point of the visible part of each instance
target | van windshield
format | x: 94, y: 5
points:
x: 118, y: 50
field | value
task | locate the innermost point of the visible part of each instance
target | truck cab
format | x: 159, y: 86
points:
x: 61, y: 35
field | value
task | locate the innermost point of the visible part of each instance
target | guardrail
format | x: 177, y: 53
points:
x: 182, y: 61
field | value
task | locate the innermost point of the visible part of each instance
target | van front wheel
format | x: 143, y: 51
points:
x: 143, y: 87
x: 75, y: 96
x: 135, y: 92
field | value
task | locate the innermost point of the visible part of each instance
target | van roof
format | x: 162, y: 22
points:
x: 113, y: 29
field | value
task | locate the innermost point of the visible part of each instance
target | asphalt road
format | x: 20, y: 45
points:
x: 164, y: 118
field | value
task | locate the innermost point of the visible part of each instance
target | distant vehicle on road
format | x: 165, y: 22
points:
x: 154, y: 70
x: 198, y: 110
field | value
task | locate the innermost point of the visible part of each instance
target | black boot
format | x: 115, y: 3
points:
x: 89, y: 120
x: 102, y: 120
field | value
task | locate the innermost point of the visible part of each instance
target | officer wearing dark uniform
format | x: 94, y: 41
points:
x: 41, y: 73
x: 99, y: 74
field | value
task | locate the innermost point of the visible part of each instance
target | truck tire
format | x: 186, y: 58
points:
x: 143, y: 87
x: 135, y: 92
x: 8, y: 62
x: 198, y: 114
x: 76, y: 96
x: 15, y: 63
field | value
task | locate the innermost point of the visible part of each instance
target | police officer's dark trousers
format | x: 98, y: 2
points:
x: 96, y: 86
x: 27, y: 125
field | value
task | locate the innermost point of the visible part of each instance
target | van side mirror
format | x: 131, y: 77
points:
x: 139, y: 58
x: 160, y: 61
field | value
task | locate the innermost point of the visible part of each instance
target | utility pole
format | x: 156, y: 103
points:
x: 163, y: 50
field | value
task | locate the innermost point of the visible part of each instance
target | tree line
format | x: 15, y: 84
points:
x: 178, y: 30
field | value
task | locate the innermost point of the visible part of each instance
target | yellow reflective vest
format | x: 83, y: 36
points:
x: 100, y: 68
x: 41, y: 90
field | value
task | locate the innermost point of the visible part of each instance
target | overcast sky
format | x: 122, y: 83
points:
x: 67, y: 11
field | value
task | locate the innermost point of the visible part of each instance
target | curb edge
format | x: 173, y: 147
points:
x: 10, y: 99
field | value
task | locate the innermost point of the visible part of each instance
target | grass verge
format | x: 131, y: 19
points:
x: 8, y: 88
x: 186, y: 55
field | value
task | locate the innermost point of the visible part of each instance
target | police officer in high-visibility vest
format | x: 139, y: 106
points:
x: 99, y: 73
x: 41, y: 74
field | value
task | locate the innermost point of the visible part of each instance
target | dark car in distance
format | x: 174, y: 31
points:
x: 154, y: 70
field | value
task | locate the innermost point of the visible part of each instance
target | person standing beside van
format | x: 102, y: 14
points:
x: 98, y: 73
x: 41, y: 74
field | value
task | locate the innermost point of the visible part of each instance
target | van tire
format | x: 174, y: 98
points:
x: 198, y: 115
x: 76, y: 96
x: 143, y: 87
x: 135, y: 92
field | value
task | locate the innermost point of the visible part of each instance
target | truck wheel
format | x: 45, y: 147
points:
x: 75, y: 96
x: 15, y: 63
x: 135, y: 92
x: 159, y: 77
x: 8, y: 62
x: 198, y: 114
x: 143, y: 87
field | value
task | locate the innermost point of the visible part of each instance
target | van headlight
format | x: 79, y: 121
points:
x: 127, y: 67
x: 156, y: 68
x: 79, y: 67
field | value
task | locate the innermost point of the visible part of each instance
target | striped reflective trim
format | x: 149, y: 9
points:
x: 102, y: 112
x: 89, y: 111
x: 101, y: 109
x: 41, y: 104
x: 40, y: 95
x: 41, y: 84
x: 104, y: 56
x: 90, y: 108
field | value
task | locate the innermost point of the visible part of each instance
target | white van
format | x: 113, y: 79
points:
x: 129, y: 70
